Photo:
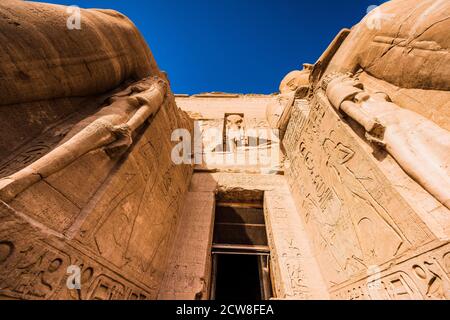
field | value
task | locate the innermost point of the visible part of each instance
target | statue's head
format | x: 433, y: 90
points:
x: 296, y: 79
x: 234, y: 122
x: 138, y: 93
x: 340, y: 87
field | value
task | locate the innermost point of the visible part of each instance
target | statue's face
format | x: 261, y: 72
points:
x: 234, y: 122
x: 349, y: 81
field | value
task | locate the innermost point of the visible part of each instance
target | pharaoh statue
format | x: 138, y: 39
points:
x: 86, y: 177
x: 235, y: 135
x: 400, y: 94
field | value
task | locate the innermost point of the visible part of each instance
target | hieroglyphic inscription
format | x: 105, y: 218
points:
x: 354, y: 218
x: 35, y: 266
x: 425, y: 276
x: 291, y: 259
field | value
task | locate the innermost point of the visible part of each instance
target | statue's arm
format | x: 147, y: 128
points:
x: 147, y: 102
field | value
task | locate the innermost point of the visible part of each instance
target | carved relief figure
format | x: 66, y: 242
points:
x: 234, y: 130
x: 379, y: 238
x: 111, y: 128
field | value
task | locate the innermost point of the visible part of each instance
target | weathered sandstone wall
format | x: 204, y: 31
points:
x: 48, y: 71
x: 379, y: 229
x: 113, y: 217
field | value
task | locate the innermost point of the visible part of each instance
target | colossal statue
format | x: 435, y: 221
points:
x: 368, y: 152
x: 86, y: 178
x: 412, y: 123
x: 49, y: 71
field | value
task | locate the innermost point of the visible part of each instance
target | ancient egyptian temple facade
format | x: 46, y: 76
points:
x: 114, y: 187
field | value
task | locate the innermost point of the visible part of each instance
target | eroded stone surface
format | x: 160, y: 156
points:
x: 188, y: 277
x: 44, y: 79
x: 356, y: 207
x: 98, y: 190
x: 377, y: 222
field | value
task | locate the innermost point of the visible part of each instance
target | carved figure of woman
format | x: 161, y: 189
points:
x: 419, y: 146
x: 111, y: 127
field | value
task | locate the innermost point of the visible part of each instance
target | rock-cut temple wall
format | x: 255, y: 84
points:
x: 369, y: 151
x: 357, y: 207
x: 112, y: 217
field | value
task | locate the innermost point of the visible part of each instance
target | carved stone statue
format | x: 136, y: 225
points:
x: 296, y: 79
x: 111, y: 128
x: 420, y: 147
x: 235, y: 135
x: 295, y: 84
x: 278, y: 111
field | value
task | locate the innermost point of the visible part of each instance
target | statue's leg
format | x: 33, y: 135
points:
x: 419, y: 146
x: 417, y: 161
x: 108, y: 131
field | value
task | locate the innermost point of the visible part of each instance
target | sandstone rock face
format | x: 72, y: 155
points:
x: 346, y: 171
x: 87, y: 183
x: 408, y: 53
x: 47, y: 69
x: 376, y: 213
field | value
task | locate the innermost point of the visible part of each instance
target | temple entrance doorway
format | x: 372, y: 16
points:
x: 240, y: 252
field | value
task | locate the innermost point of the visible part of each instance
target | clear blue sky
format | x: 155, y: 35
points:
x: 243, y: 46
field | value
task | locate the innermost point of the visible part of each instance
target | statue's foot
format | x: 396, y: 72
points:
x: 5, y: 186
x: 10, y: 187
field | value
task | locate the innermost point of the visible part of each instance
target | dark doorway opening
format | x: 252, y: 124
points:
x: 242, y: 272
x: 240, y: 253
